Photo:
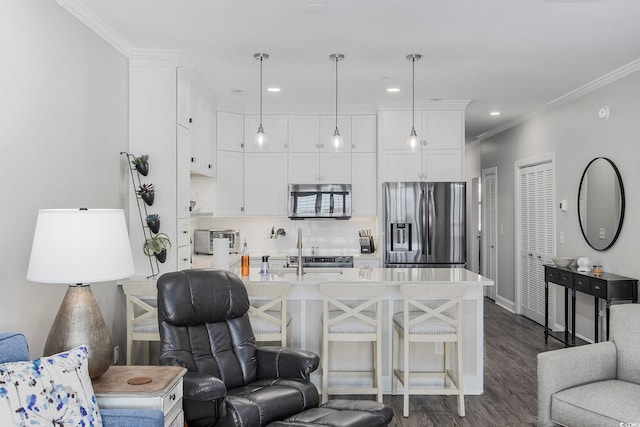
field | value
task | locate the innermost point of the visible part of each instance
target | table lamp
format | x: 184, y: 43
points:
x: 77, y: 247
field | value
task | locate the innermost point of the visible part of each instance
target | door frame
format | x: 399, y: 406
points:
x: 519, y: 165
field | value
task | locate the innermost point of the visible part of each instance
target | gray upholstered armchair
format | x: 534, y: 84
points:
x: 596, y: 384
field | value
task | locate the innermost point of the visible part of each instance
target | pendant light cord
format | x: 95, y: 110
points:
x: 337, y: 59
x: 413, y: 92
x: 261, y: 58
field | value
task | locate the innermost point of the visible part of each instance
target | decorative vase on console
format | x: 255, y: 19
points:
x: 584, y: 264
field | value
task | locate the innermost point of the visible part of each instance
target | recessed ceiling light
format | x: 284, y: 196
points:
x: 316, y: 7
x: 273, y: 89
x: 494, y: 113
x: 393, y: 89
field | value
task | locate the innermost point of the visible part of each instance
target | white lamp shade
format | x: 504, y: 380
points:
x: 80, y: 246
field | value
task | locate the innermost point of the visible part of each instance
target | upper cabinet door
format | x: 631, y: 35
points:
x: 275, y: 127
x: 328, y: 127
x: 304, y: 168
x: 201, y: 140
x: 395, y: 127
x: 364, y: 133
x: 442, y: 130
x: 304, y: 133
x: 183, y: 115
x: 230, y: 131
x: 265, y: 184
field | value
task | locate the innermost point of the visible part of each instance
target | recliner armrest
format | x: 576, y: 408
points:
x: 569, y: 367
x: 282, y: 362
x: 203, y: 387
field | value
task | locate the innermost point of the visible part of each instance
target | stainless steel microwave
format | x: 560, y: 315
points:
x: 307, y: 201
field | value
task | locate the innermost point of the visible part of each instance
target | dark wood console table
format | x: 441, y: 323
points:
x: 609, y: 287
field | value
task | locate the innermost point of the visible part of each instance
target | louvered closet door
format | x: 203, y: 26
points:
x: 490, y: 228
x: 536, y: 195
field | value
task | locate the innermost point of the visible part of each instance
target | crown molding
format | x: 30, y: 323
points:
x: 598, y: 83
x: 84, y: 15
x: 428, y: 104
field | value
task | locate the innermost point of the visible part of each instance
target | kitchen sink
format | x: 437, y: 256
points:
x: 309, y: 271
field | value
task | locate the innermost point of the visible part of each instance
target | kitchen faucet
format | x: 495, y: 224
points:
x: 299, y: 269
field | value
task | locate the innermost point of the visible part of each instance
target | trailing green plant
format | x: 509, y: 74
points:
x: 156, y: 244
x: 153, y: 217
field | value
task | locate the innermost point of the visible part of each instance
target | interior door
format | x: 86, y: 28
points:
x: 536, y: 224
x: 489, y: 251
x: 475, y: 205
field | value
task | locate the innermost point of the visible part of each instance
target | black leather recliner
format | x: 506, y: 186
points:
x: 204, y: 326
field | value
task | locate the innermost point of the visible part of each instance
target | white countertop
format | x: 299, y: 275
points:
x: 390, y: 276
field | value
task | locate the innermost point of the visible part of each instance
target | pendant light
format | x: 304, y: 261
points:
x: 413, y: 143
x: 337, y: 143
x: 260, y: 140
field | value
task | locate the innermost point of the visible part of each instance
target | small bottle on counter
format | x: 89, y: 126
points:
x: 265, y: 265
x: 244, y: 260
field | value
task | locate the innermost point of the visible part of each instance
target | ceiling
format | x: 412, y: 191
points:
x: 501, y: 55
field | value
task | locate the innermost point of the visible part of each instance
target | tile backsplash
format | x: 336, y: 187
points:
x: 331, y: 237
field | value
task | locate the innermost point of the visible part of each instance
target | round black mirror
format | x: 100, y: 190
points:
x: 601, y: 203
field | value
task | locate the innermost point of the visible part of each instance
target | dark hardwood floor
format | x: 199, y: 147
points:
x: 511, y: 343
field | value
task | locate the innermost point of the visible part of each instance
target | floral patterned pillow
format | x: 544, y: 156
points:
x: 50, y: 391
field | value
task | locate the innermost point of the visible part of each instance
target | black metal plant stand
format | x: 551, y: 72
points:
x: 142, y: 211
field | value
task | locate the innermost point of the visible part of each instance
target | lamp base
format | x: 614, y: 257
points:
x: 80, y: 322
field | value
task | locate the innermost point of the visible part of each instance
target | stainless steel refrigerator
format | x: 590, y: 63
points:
x: 425, y: 224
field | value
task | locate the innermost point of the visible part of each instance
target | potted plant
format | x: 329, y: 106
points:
x: 147, y: 192
x: 153, y: 222
x: 157, y: 246
x: 142, y: 164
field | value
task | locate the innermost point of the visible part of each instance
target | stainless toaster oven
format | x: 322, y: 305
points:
x: 203, y: 240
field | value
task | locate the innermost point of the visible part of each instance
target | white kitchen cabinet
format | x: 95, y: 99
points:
x: 319, y: 168
x: 229, y: 131
x: 229, y: 194
x: 182, y: 172
x: 183, y: 250
x: 201, y: 126
x: 436, y: 129
x: 327, y: 129
x: 364, y: 133
x: 160, y: 129
x: 442, y: 130
x: 425, y: 165
x: 363, y: 184
x: 443, y: 165
x: 183, y: 96
x: 304, y: 133
x: 401, y: 165
x: 265, y: 184
x: 395, y: 127
x: 275, y: 127
x: 441, y: 153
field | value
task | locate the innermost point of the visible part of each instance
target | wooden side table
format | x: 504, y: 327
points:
x: 114, y: 391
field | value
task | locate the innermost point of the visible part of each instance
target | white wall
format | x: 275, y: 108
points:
x: 575, y: 133
x: 64, y: 111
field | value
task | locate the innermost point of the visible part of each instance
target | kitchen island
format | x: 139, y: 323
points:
x: 305, y: 306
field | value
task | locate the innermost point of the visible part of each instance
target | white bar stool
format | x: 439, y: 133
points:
x: 352, y: 313
x: 142, y: 316
x: 268, y: 312
x: 431, y: 313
